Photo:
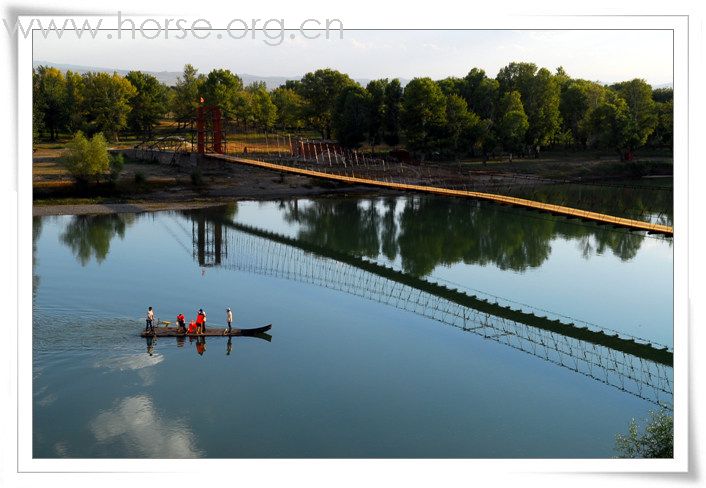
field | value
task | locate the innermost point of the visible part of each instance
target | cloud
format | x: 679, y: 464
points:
x: 130, y: 362
x: 136, y: 423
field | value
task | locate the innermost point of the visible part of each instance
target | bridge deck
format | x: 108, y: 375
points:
x: 502, y: 199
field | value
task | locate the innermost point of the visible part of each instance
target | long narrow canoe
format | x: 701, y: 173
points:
x: 210, y: 332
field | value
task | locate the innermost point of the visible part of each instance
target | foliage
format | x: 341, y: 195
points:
x: 149, y: 103
x: 393, y: 108
x: 223, y: 89
x: 351, y: 116
x: 460, y: 125
x: 513, y: 123
x: 87, y: 159
x: 321, y: 89
x: 50, y: 98
x: 376, y: 110
x: 657, y: 440
x: 117, y: 163
x: 290, y: 108
x: 523, y: 107
x: 186, y: 94
x: 641, y: 118
x: 423, y: 114
x: 264, y: 111
x: 106, y: 102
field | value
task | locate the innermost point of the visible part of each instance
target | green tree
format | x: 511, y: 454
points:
x: 186, y: 94
x: 542, y: 108
x: 350, y: 119
x: 641, y: 113
x: 461, y: 125
x: 50, y: 95
x: 452, y: 85
x: 264, y: 111
x: 481, y: 93
x: 663, y: 95
x: 376, y: 114
x: 87, y: 159
x: 37, y: 108
x: 290, y: 108
x: 76, y: 117
x: 513, y: 124
x: 321, y: 89
x: 657, y: 440
x: 663, y: 134
x: 106, y: 102
x: 149, y: 103
x: 517, y: 77
x: 223, y: 89
x: 608, y: 122
x: 423, y: 115
x: 393, y: 109
x: 540, y: 93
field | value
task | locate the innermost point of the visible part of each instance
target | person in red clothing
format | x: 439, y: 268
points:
x: 192, y: 328
x: 181, y: 323
x: 201, y: 317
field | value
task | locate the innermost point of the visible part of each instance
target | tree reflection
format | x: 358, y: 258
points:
x: 36, y: 232
x: 89, y: 236
x: 429, y: 232
x: 345, y: 225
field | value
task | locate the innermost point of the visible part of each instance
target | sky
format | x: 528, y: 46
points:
x: 600, y: 55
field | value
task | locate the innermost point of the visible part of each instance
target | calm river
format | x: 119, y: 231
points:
x: 368, y: 355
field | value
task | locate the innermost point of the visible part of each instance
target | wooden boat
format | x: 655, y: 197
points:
x: 210, y: 332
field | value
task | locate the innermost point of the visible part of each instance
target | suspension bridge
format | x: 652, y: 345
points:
x: 629, y: 364
x: 554, y: 209
x: 308, y: 158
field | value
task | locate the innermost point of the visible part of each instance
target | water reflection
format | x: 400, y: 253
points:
x: 422, y: 232
x: 89, y: 235
x: 429, y: 232
x: 645, y: 200
x: 36, y: 232
x: 136, y: 424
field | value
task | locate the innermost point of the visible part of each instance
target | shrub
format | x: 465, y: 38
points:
x: 117, y: 163
x: 657, y: 441
x: 140, y: 178
x: 87, y: 159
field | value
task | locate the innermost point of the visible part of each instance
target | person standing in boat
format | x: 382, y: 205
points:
x: 149, y: 326
x: 201, y: 318
x: 181, y: 323
x: 229, y: 319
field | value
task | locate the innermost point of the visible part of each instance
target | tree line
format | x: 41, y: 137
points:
x: 521, y: 111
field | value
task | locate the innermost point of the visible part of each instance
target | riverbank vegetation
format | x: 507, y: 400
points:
x: 522, y: 112
x: 656, y: 441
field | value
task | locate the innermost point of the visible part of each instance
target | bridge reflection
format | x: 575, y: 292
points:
x: 627, y: 363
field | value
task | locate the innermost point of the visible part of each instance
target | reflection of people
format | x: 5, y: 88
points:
x: 229, y: 318
x: 200, y: 345
x: 150, y: 320
x: 150, y: 345
x: 229, y: 346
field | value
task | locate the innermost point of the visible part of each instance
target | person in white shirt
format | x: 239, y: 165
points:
x: 229, y: 319
x: 150, y: 320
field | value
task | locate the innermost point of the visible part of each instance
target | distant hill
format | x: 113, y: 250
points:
x: 170, y: 77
